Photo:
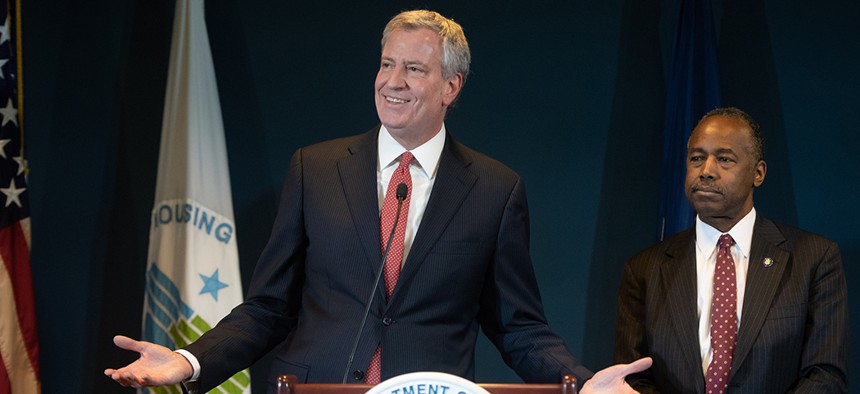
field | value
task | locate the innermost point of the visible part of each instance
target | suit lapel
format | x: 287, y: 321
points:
x: 760, y: 288
x: 452, y: 185
x: 678, y: 273
x: 358, y: 179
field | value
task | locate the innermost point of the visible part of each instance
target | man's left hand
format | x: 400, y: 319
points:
x: 611, y: 379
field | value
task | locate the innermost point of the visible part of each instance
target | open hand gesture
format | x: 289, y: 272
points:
x: 157, y: 365
x: 611, y: 379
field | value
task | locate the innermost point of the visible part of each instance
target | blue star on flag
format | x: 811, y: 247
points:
x: 211, y: 285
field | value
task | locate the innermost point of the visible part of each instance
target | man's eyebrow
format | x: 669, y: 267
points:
x: 696, y: 149
x: 407, y: 61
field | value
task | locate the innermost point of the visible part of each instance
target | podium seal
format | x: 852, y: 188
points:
x: 427, y: 383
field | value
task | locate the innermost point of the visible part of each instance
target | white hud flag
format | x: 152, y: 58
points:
x: 192, y: 276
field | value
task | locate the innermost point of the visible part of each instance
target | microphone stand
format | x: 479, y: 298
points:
x: 401, y: 195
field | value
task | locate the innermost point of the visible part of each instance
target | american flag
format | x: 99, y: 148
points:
x: 19, y: 344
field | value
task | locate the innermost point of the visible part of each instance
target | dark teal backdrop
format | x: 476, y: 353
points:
x: 568, y: 93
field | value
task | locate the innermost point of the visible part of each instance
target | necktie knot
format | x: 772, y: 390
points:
x: 406, y: 159
x: 726, y: 241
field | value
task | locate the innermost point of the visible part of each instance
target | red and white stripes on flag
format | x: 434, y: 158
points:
x: 19, y: 343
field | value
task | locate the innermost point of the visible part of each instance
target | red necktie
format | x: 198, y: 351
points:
x: 394, y: 260
x: 724, y: 326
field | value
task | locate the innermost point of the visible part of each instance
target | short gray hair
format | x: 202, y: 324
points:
x: 455, y: 49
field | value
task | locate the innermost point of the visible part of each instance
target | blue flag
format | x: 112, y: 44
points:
x: 693, y: 90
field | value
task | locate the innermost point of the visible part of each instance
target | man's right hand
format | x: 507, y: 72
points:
x: 157, y: 365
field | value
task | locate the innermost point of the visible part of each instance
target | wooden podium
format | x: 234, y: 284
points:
x: 287, y: 384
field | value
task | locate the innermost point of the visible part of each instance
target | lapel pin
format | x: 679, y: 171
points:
x: 768, y: 262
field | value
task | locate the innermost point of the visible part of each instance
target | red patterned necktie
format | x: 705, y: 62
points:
x: 394, y: 260
x: 724, y: 326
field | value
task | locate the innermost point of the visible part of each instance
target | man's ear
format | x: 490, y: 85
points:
x: 452, y: 89
x: 760, y: 172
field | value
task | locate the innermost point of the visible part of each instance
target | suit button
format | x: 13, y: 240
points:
x: 358, y: 375
x: 387, y: 320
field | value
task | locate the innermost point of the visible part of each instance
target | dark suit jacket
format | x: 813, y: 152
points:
x: 793, y: 335
x: 468, y: 267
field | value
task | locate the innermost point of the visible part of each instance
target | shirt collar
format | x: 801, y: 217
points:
x: 426, y: 156
x: 742, y: 232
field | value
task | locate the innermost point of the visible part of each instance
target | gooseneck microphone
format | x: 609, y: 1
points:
x: 401, y: 192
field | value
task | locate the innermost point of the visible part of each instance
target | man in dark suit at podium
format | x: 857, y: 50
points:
x: 774, y: 321
x: 458, y: 261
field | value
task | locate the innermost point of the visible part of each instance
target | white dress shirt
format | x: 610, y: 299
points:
x: 706, y: 261
x: 423, y: 170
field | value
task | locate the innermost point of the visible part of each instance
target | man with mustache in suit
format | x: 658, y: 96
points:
x: 737, y: 303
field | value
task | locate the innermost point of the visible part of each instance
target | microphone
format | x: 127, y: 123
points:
x: 401, y: 195
x: 401, y: 192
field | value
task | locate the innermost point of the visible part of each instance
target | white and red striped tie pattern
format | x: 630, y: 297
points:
x: 393, y: 262
x: 724, y: 325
